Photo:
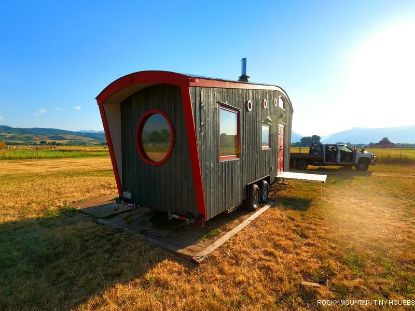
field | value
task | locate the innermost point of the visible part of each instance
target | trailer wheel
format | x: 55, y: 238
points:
x: 302, y: 164
x: 264, y: 187
x: 362, y: 165
x: 253, y: 197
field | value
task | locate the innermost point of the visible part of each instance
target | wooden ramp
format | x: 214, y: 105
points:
x: 304, y: 176
x: 106, y: 210
x: 188, y: 240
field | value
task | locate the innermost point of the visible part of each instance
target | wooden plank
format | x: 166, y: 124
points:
x: 303, y: 176
x: 219, y: 242
x: 106, y: 199
x: 310, y: 284
x: 106, y: 210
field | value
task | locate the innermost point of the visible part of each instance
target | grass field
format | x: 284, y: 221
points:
x: 356, y: 240
x: 52, y: 152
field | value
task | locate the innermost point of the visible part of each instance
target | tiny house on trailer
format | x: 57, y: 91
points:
x: 193, y: 146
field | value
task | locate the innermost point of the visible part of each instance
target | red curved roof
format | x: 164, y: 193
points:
x: 146, y: 78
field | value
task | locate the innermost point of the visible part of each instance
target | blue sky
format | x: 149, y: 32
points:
x: 341, y: 62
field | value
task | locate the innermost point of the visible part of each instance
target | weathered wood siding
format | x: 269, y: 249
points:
x: 169, y: 186
x: 225, y: 181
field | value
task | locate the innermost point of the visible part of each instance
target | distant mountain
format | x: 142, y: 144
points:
x: 90, y: 131
x: 35, y: 135
x: 295, y: 137
x: 403, y: 134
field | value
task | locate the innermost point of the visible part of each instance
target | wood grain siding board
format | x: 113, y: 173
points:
x: 167, y: 187
x: 224, y: 181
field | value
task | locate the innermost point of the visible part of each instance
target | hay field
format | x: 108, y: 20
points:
x: 356, y: 240
x: 52, y: 152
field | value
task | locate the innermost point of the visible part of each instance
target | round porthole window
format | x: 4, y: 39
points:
x: 249, y: 105
x: 265, y: 104
x: 275, y: 102
x: 155, y: 137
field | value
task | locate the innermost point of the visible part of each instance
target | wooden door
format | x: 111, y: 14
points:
x: 280, y: 165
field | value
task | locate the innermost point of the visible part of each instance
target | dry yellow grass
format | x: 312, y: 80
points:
x: 357, y: 240
x: 31, y: 188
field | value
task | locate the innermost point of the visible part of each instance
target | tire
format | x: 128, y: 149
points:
x: 264, y: 190
x: 302, y: 164
x: 253, y: 197
x: 362, y: 165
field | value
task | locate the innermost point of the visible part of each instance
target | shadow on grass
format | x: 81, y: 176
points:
x: 187, y: 239
x: 294, y: 203
x: 60, y: 262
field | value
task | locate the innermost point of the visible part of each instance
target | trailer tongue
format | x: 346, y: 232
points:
x: 303, y: 176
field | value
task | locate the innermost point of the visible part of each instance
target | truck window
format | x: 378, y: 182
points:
x: 345, y: 148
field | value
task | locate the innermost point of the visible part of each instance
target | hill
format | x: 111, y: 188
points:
x: 403, y: 134
x: 35, y: 135
x: 295, y: 137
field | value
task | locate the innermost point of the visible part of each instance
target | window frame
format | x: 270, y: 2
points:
x: 237, y: 111
x: 139, y: 134
x: 266, y: 147
x: 281, y: 99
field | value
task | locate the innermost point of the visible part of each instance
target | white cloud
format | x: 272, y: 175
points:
x: 40, y: 112
x: 77, y: 108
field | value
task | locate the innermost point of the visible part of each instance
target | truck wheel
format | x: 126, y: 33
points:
x: 362, y: 165
x: 302, y: 164
x: 252, y: 201
x: 264, y: 187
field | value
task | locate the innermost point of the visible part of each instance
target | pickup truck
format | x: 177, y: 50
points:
x: 333, y: 154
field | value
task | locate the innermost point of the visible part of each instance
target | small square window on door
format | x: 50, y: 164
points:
x: 265, y: 136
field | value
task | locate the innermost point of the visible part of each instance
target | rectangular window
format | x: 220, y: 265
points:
x: 228, y: 133
x: 265, y: 137
x: 281, y: 103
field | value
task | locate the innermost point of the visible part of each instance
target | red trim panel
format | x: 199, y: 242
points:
x: 142, y: 77
x: 166, y: 77
x: 111, y: 149
x: 193, y: 149
x: 139, y: 130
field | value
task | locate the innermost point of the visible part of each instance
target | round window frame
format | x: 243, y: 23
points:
x: 139, y: 132
x: 249, y: 105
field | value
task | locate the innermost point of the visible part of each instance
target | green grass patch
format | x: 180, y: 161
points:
x: 212, y: 234
x: 16, y: 154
